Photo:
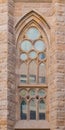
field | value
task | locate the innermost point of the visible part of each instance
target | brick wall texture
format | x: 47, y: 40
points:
x: 54, y: 13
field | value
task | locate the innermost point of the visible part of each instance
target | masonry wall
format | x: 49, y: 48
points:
x: 54, y: 13
x: 7, y: 65
x: 3, y: 64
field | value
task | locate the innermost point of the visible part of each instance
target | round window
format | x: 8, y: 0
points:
x: 26, y: 45
x: 32, y: 54
x: 39, y: 45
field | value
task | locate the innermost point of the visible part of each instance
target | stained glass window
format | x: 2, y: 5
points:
x: 42, y: 110
x: 23, y: 110
x: 32, y: 110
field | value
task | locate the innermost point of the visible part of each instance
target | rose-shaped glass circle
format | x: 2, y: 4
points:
x: 23, y: 56
x: 33, y: 33
x: 32, y: 54
x: 26, y: 45
x: 42, y: 93
x: 39, y: 45
x: 32, y: 92
x: 41, y: 56
x: 23, y: 93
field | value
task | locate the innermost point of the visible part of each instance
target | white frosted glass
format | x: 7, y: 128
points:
x: 23, y: 56
x: 33, y: 33
x: 41, y: 56
x: 42, y: 92
x: 26, y: 45
x: 33, y: 54
x: 39, y: 45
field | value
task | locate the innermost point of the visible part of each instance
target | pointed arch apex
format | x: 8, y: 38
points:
x: 29, y: 15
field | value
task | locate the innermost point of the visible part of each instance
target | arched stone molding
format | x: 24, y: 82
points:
x: 32, y: 18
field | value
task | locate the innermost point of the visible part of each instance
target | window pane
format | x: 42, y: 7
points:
x: 23, y: 73
x: 32, y: 72
x: 32, y: 54
x: 32, y: 110
x: 42, y: 73
x: 26, y: 45
x: 32, y: 92
x: 23, y: 56
x: 23, y: 110
x: 42, y: 93
x: 23, y: 93
x: 41, y: 56
x: 39, y: 45
x: 33, y: 33
x: 42, y: 108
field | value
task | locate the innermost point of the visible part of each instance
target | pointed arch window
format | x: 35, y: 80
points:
x: 33, y: 54
x: 42, y: 108
x: 32, y: 107
x: 23, y: 110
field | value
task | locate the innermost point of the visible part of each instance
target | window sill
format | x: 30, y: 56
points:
x: 32, y: 124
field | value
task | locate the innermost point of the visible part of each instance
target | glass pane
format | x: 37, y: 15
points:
x: 32, y: 110
x: 23, y: 56
x: 39, y: 45
x: 23, y: 93
x: 33, y: 54
x: 42, y: 73
x: 26, y: 45
x: 32, y: 92
x: 42, y: 108
x: 23, y: 73
x: 41, y: 56
x: 23, y: 78
x: 33, y: 33
x: 23, y: 110
x: 32, y: 72
x: 42, y: 93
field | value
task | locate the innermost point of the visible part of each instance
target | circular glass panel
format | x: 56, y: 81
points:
x: 33, y: 54
x: 39, y: 45
x: 26, y: 45
x: 23, y: 56
x: 42, y: 93
x: 41, y: 56
x: 42, y: 105
x: 33, y: 33
x: 32, y: 92
x: 23, y: 93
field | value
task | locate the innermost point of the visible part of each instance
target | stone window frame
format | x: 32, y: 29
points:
x: 29, y: 19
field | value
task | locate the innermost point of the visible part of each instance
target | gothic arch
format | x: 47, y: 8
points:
x: 32, y: 18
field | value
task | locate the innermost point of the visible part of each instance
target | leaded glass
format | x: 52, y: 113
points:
x: 23, y: 56
x: 32, y: 54
x: 42, y: 73
x: 41, y: 56
x: 23, y: 110
x: 32, y: 110
x: 40, y: 45
x: 32, y: 92
x: 26, y: 45
x: 42, y: 110
x: 23, y: 93
x: 33, y: 33
x: 42, y: 93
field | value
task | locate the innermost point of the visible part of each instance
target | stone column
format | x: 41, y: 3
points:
x: 7, y: 65
x: 57, y: 68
